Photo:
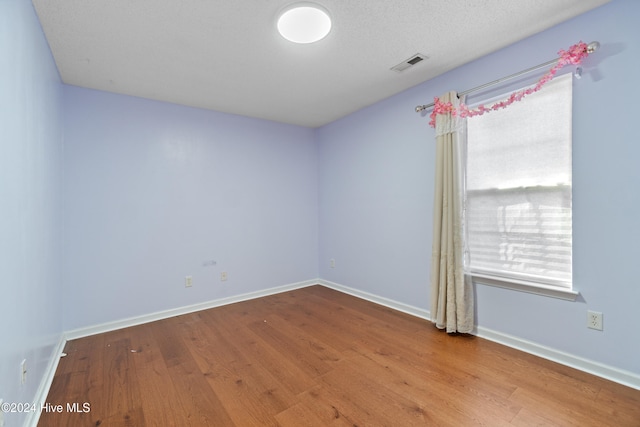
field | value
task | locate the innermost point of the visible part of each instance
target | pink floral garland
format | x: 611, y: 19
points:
x: 573, y: 56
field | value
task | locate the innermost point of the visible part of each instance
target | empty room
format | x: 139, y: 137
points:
x: 215, y: 213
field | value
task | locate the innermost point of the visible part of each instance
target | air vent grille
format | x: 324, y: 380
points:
x: 413, y: 60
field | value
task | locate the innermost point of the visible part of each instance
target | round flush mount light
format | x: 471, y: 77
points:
x: 304, y: 23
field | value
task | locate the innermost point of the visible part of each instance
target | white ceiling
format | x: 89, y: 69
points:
x: 226, y: 55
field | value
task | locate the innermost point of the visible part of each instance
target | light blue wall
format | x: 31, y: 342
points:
x: 154, y: 190
x: 151, y: 191
x: 30, y: 203
x: 376, y: 179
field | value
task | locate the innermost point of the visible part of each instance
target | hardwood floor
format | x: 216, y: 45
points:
x: 317, y: 357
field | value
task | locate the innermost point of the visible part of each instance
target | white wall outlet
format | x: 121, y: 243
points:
x: 188, y: 281
x: 223, y: 276
x: 332, y: 263
x: 23, y: 371
x: 594, y: 320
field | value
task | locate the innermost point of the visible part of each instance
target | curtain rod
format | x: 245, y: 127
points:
x: 591, y: 47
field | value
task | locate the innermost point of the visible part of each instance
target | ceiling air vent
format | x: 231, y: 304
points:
x: 415, y: 59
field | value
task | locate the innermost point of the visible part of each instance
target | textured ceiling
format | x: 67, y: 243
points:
x: 227, y: 56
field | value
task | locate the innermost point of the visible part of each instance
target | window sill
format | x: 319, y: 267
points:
x: 524, y: 286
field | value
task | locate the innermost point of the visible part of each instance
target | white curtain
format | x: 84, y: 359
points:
x: 452, y: 305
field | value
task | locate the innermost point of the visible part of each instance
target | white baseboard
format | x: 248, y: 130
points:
x: 620, y: 376
x: 43, y: 389
x: 626, y: 378
x: 45, y: 384
x: 405, y: 308
x: 159, y: 315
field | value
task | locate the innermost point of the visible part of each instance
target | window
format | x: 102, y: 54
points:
x: 518, y: 191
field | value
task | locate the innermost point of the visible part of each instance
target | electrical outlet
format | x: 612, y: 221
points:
x: 332, y: 263
x: 188, y: 281
x: 594, y: 320
x: 23, y: 371
x: 223, y: 276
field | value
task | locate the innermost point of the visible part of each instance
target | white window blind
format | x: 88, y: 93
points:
x: 518, y: 198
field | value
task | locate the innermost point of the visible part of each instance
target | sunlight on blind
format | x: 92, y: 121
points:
x: 519, y: 188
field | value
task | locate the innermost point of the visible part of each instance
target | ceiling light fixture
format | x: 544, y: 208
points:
x: 304, y: 23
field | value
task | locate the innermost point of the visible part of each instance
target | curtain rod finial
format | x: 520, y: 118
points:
x: 592, y: 47
x: 419, y: 108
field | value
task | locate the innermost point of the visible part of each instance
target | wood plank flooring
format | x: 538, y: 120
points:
x: 318, y: 357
